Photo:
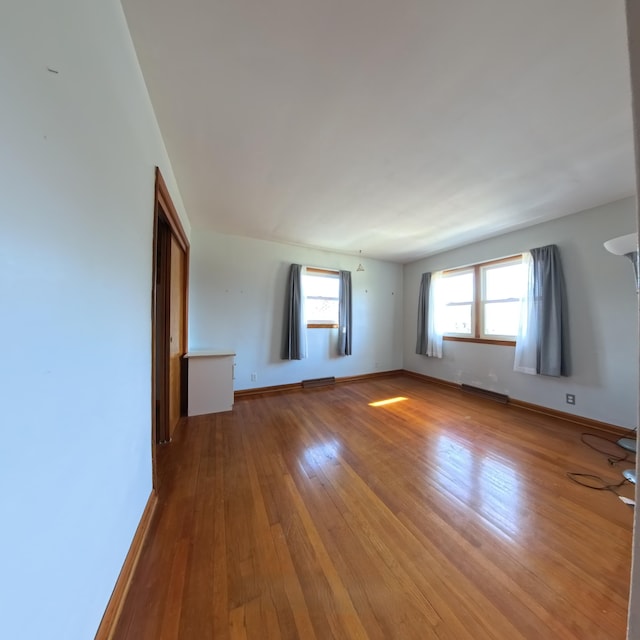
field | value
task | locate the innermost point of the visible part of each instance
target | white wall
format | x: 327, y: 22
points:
x: 603, y: 319
x: 77, y: 155
x: 236, y: 301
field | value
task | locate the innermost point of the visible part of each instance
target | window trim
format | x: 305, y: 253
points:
x: 478, y: 304
x: 322, y: 272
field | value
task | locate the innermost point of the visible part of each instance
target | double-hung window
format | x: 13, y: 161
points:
x: 481, y: 303
x: 320, y: 289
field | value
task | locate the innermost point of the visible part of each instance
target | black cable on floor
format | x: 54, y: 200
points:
x: 591, y: 481
x: 612, y: 458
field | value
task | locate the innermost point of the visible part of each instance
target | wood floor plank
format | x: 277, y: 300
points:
x: 221, y: 624
x: 292, y: 587
x: 268, y: 564
x: 395, y: 545
x: 237, y: 627
x: 343, y: 617
x: 316, y: 516
x: 172, y: 613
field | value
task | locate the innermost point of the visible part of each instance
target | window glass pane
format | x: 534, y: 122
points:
x: 458, y: 288
x: 501, y: 318
x: 322, y: 310
x: 321, y: 298
x: 323, y: 286
x: 501, y: 282
x: 457, y: 319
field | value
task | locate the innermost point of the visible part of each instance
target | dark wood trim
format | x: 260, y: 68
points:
x: 163, y: 198
x: 470, y: 268
x: 504, y: 343
x: 258, y: 391
x: 163, y: 208
x: 326, y: 272
x: 164, y: 201
x: 499, y: 260
x: 582, y: 421
x: 185, y: 319
x: 161, y: 326
x: 369, y: 376
x: 114, y: 607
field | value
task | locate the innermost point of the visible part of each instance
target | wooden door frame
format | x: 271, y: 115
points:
x: 163, y: 208
x: 162, y: 308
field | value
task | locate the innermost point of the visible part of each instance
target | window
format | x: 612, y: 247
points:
x: 482, y: 302
x: 457, y: 295
x: 502, y: 285
x: 321, y: 288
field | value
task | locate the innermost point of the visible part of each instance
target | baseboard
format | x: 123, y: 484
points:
x: 430, y: 379
x: 297, y: 386
x: 370, y: 376
x: 114, y: 607
x: 314, y: 383
x: 258, y: 391
x: 485, y: 393
x: 581, y: 421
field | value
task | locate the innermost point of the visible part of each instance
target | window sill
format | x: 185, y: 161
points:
x: 314, y: 325
x: 503, y: 343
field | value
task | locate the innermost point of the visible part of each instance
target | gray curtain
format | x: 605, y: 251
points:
x: 344, y: 314
x: 422, y: 341
x: 292, y: 347
x: 551, y: 317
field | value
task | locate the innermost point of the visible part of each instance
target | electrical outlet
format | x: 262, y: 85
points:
x: 571, y: 399
x: 254, y: 377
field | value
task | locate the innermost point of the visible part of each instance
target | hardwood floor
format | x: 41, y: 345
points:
x: 315, y: 515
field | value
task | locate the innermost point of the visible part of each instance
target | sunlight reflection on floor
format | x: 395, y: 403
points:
x: 489, y: 485
x: 383, y: 403
x: 320, y: 454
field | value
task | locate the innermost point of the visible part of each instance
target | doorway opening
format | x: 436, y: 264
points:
x: 169, y: 319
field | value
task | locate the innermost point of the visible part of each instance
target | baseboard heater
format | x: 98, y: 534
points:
x: 485, y: 393
x: 318, y: 382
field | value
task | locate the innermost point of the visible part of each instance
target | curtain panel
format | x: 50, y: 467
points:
x: 294, y: 330
x: 544, y: 321
x: 344, y: 315
x: 527, y: 338
x: 422, y: 339
x: 429, y: 339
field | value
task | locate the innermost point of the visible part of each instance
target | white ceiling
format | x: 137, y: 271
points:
x: 397, y: 128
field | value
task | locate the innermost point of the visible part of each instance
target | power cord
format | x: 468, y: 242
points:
x: 594, y: 482
x: 591, y: 481
x: 612, y: 457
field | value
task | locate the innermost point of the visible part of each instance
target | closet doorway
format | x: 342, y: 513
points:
x: 169, y: 318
